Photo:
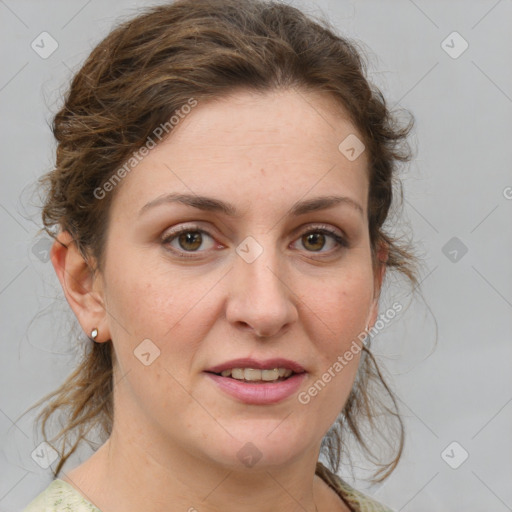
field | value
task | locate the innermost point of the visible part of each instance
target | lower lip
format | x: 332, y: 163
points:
x: 259, y: 394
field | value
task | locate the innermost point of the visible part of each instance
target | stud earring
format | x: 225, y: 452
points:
x: 94, y: 333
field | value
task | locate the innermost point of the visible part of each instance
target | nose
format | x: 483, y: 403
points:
x: 260, y: 298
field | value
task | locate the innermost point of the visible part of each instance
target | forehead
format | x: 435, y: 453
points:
x: 246, y: 120
x: 253, y: 147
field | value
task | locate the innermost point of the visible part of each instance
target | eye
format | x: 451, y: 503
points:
x: 314, y: 240
x: 190, y: 239
x: 187, y: 239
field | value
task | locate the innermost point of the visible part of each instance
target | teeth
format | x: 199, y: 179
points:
x: 269, y: 374
x: 251, y: 374
x: 237, y: 373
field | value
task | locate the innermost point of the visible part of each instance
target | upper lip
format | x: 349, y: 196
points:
x: 267, y: 364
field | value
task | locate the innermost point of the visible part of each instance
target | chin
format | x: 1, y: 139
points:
x: 258, y: 448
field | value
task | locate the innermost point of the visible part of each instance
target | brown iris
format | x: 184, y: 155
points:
x: 314, y: 238
x: 190, y: 237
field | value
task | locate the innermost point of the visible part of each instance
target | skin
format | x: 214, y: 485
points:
x: 176, y: 434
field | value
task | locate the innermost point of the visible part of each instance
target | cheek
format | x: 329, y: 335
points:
x: 151, y: 301
x: 337, y: 313
x: 339, y: 307
x: 142, y: 293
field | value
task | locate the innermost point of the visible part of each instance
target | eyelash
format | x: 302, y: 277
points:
x: 326, y: 230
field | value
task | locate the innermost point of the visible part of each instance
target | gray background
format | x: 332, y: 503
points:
x: 457, y: 388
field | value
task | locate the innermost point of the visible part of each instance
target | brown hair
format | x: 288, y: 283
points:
x: 135, y: 80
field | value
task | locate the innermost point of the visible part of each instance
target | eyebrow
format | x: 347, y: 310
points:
x: 216, y: 205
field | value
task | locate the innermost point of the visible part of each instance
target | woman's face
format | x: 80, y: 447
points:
x: 258, y: 280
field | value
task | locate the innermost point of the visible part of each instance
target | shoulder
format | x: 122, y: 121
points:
x: 357, y: 501
x: 60, y: 496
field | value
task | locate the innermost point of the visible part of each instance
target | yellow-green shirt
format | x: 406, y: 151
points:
x: 60, y: 496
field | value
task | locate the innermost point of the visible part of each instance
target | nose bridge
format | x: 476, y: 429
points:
x: 261, y: 267
x: 263, y: 274
x: 260, y: 296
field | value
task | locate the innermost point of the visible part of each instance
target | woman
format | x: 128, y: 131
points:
x: 223, y: 174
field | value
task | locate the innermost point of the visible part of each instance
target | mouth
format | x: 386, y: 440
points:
x: 253, y: 370
x: 258, y: 382
x: 257, y: 376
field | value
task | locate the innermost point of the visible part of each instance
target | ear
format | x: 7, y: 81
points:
x: 379, y: 272
x: 81, y: 285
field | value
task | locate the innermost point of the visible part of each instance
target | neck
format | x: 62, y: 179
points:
x: 131, y: 475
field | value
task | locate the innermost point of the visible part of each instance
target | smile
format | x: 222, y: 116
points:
x: 255, y: 375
